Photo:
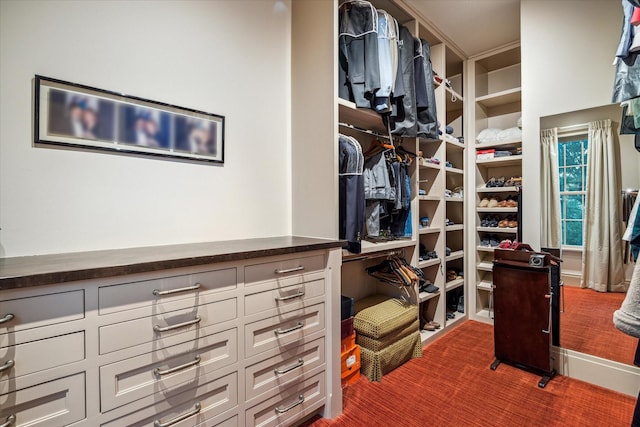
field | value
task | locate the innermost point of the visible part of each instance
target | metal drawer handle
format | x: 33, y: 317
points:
x: 289, y: 270
x: 191, y: 413
x: 300, y: 325
x: 290, y: 407
x: 290, y: 368
x: 287, y: 298
x: 8, y: 365
x: 7, y: 318
x: 159, y: 293
x: 195, y: 321
x: 157, y: 372
x: 9, y: 420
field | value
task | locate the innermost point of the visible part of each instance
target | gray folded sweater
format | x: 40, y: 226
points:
x: 627, y: 318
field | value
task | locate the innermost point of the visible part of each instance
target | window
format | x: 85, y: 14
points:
x: 572, y: 159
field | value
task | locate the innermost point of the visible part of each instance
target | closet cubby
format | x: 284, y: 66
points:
x: 495, y: 84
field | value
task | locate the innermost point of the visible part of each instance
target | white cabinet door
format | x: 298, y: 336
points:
x: 286, y: 298
x: 277, y: 270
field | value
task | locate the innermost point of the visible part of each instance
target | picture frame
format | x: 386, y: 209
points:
x: 85, y: 117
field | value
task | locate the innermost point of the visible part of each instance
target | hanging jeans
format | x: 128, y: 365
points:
x: 359, y: 70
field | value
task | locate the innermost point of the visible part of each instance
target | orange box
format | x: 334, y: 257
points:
x: 348, y: 342
x: 350, y: 379
x: 350, y: 361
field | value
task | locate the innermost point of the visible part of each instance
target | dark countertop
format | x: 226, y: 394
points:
x: 20, y: 272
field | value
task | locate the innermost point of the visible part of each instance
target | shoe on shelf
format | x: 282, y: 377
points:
x: 484, y: 203
x: 491, y: 183
x: 422, y: 192
x: 493, y: 203
x: 512, y: 223
x: 493, y: 241
x: 504, y: 223
x: 505, y: 244
x: 484, y: 241
x: 447, y: 251
x: 424, y: 221
x: 493, y: 222
x: 500, y: 182
x: 434, y: 324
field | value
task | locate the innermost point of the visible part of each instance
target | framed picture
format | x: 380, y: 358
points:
x: 81, y: 116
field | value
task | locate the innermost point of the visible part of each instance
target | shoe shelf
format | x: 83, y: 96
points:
x: 453, y: 284
x: 426, y: 296
x: 428, y: 263
x: 485, y: 285
x: 497, y: 210
x: 371, y: 247
x: 493, y: 101
x: 485, y: 266
x: 454, y: 170
x: 485, y: 312
x: 484, y: 189
x: 501, y: 161
x: 455, y: 255
x: 454, y: 227
x: 454, y: 199
x: 485, y: 248
x: 455, y: 144
x: 430, y: 197
x: 362, y: 118
x: 427, y: 336
x: 427, y: 165
x: 428, y: 230
x: 506, y: 230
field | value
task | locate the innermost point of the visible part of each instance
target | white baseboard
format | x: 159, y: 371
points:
x: 598, y: 371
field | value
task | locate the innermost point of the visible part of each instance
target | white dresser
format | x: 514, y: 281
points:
x: 220, y: 334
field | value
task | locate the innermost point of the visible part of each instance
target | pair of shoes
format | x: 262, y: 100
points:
x: 448, y: 164
x: 489, y: 221
x: 449, y: 222
x: 514, y: 181
x: 505, y: 244
x: 492, y: 240
x: 495, y: 182
x: 509, y: 202
x: 451, y: 315
x: 508, y: 222
x: 458, y: 192
x: 428, y: 287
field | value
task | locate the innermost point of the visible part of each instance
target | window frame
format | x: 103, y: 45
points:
x: 581, y: 137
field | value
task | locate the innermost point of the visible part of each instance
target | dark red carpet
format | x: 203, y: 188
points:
x: 452, y: 385
x: 587, y: 325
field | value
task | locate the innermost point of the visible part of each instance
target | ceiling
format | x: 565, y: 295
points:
x: 474, y: 26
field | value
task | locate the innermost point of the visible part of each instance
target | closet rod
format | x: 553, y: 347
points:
x: 356, y: 257
x: 367, y: 131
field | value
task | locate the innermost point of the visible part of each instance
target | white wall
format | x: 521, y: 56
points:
x: 226, y: 57
x: 567, y: 51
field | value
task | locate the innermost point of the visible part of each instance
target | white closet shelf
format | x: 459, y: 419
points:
x: 455, y: 227
x: 455, y: 255
x: 484, y: 189
x: 496, y: 210
x: 501, y: 161
x: 499, y: 99
x: 485, y: 266
x: 454, y: 199
x: 360, y: 117
x: 454, y: 170
x: 430, y: 197
x: 485, y: 248
x: 370, y: 247
x: 426, y: 296
x: 427, y: 336
x: 501, y: 144
x: 428, y: 263
x: 429, y: 230
x: 506, y: 230
x: 459, y: 317
x: 485, y: 313
x: 455, y: 144
x: 453, y: 284
x: 485, y: 285
x: 426, y: 165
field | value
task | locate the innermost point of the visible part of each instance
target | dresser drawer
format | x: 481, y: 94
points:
x: 195, y: 406
x: 258, y: 273
x: 229, y: 422
x: 128, y: 296
x: 132, y: 379
x: 42, y: 310
x: 284, y: 298
x: 278, y: 370
x: 154, y: 328
x: 282, y: 329
x: 35, y: 356
x: 285, y: 408
x: 55, y: 403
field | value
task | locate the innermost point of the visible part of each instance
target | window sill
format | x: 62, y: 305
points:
x: 571, y: 249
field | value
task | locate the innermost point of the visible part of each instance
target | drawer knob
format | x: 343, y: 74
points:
x: 8, y: 365
x: 6, y: 318
x: 288, y: 297
x: 300, y: 401
x: 159, y: 328
x: 289, y: 270
x: 300, y: 325
x: 179, y: 418
x: 299, y: 363
x: 157, y: 372
x: 9, y: 421
x: 159, y: 293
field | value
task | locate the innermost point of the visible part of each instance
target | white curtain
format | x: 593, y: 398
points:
x: 602, y: 268
x: 551, y: 230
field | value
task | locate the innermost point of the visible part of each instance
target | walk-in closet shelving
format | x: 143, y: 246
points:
x: 494, y: 83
